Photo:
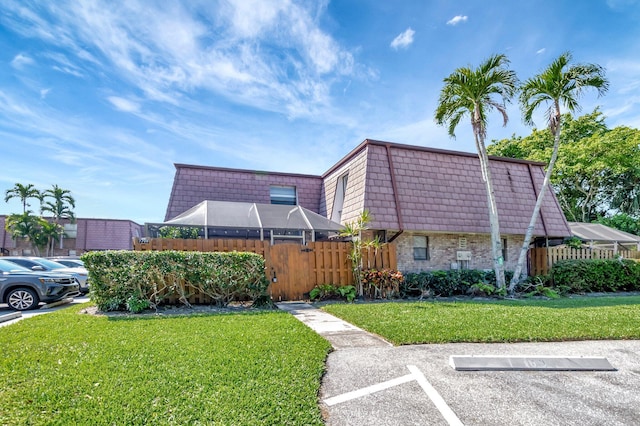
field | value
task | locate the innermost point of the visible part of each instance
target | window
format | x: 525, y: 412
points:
x: 338, y: 199
x: 504, y: 249
x: 283, y: 195
x: 420, y: 247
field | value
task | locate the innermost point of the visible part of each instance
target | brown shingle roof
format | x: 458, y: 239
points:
x: 443, y: 191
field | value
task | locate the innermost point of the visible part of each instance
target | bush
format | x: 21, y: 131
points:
x: 598, y: 275
x: 329, y: 291
x: 446, y: 283
x: 381, y: 284
x: 137, y: 280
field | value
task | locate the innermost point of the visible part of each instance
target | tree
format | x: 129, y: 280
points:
x: 24, y: 226
x: 623, y: 222
x: 472, y: 92
x: 61, y: 204
x: 560, y: 84
x: 23, y: 192
x: 48, y: 234
x: 596, y: 172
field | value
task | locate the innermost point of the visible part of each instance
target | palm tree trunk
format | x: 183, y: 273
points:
x: 494, y: 223
x: 518, y: 273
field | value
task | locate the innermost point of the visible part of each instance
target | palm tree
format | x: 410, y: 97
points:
x: 472, y: 92
x: 24, y: 226
x: 23, y: 192
x: 50, y: 232
x: 561, y: 84
x: 60, y: 206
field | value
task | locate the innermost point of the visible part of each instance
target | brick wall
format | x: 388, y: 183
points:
x: 194, y: 184
x: 443, y: 250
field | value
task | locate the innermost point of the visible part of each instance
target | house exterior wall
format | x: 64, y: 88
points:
x: 194, y: 184
x: 443, y: 250
x: 354, y: 195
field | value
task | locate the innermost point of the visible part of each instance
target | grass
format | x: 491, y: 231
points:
x: 67, y: 368
x: 585, y: 318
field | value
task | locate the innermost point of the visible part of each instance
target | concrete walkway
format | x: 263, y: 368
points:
x: 339, y: 333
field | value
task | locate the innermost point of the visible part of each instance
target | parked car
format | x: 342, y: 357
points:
x: 69, y: 262
x: 23, y: 289
x: 41, y: 264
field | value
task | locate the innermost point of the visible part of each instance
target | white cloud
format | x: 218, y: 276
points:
x: 123, y: 104
x: 44, y: 93
x: 541, y: 51
x: 20, y: 60
x: 268, y: 54
x: 457, y: 19
x: 404, y: 39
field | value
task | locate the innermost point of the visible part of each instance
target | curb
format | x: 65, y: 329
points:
x: 11, y: 316
x: 58, y: 303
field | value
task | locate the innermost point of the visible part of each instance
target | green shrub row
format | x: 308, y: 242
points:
x: 446, y: 283
x: 135, y: 280
x: 583, y: 276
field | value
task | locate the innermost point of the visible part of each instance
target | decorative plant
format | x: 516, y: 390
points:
x: 354, y: 231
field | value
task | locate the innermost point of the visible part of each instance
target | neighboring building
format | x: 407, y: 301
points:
x: 82, y: 236
x: 432, y: 203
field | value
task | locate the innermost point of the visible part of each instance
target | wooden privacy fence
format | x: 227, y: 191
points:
x: 292, y: 269
x: 542, y: 259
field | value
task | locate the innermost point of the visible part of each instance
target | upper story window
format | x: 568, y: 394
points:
x: 338, y: 199
x: 283, y: 195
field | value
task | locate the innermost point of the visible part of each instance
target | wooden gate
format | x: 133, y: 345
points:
x: 290, y: 272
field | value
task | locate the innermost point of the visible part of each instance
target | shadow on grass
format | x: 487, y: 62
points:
x: 560, y: 303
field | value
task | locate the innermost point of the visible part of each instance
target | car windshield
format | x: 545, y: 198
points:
x: 49, y: 263
x: 6, y: 266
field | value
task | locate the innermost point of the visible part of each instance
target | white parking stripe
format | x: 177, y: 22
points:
x: 433, y: 394
x: 369, y: 390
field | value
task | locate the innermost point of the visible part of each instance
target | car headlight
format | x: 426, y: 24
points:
x: 46, y: 280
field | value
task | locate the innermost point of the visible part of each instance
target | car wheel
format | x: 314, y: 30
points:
x: 22, y: 299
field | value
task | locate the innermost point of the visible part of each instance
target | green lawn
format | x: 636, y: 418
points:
x: 243, y: 369
x: 584, y: 318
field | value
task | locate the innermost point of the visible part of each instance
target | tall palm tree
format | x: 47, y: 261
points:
x: 560, y: 84
x: 23, y: 192
x: 50, y: 232
x: 476, y: 92
x: 61, y: 204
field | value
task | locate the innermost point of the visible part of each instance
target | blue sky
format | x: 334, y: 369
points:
x: 103, y: 97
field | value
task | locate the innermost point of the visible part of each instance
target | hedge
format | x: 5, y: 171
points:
x: 135, y: 280
x: 598, y: 275
x: 446, y: 282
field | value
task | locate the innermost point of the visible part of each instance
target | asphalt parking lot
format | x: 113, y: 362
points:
x: 401, y: 386
x: 4, y: 310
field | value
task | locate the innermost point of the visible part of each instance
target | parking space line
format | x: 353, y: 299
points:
x: 369, y: 390
x: 435, y: 397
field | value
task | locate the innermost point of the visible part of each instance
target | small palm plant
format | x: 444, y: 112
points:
x: 354, y: 231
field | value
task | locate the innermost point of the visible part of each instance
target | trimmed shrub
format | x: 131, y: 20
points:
x: 446, y: 283
x: 597, y: 275
x: 134, y: 280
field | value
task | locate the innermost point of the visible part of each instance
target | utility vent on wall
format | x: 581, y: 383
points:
x: 463, y: 255
x: 462, y: 243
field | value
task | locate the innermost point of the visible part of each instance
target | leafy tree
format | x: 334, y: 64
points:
x: 473, y: 92
x: 623, y: 222
x: 597, y: 168
x: 48, y: 234
x: 180, y: 232
x: 23, y: 192
x: 560, y: 84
